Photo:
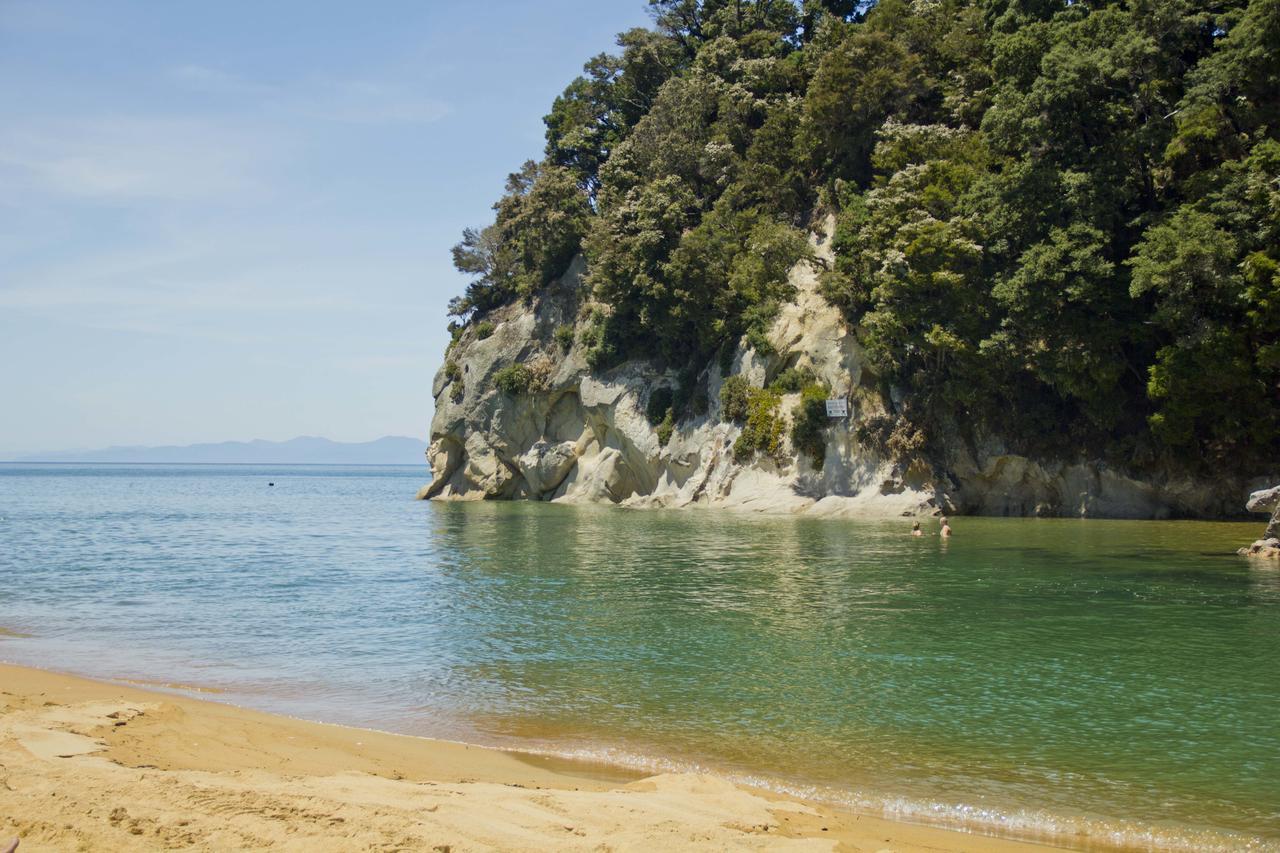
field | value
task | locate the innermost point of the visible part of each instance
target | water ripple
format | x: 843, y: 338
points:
x: 1110, y: 683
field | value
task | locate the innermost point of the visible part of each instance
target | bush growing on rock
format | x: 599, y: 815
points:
x: 698, y: 402
x: 514, y: 379
x: 895, y: 436
x: 808, y: 420
x: 564, y: 336
x: 690, y: 394
x: 792, y: 379
x: 757, y: 410
x: 661, y: 412
x: 763, y: 429
x: 453, y: 376
x: 484, y: 329
x: 659, y: 405
x: 599, y: 349
x: 541, y: 368
x: 665, y: 428
x: 735, y: 393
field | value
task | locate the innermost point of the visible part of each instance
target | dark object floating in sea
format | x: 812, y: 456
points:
x: 270, y: 484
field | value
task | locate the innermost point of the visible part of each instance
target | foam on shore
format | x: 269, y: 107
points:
x: 91, y: 765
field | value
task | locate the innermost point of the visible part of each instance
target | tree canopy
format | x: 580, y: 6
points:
x: 1057, y: 221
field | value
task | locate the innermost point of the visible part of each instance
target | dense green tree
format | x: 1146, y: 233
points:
x: 538, y: 229
x: 596, y: 110
x: 1057, y: 222
x: 691, y: 23
x: 863, y: 80
x: 1063, y: 321
x: 1215, y: 288
x: 910, y: 261
x: 1231, y: 97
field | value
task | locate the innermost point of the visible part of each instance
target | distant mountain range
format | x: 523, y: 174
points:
x: 388, y: 450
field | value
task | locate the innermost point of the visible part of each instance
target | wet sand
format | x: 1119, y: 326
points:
x: 87, y: 765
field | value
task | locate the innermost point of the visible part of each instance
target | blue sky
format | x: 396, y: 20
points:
x: 232, y: 220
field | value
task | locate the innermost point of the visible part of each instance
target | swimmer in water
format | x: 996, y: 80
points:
x: 946, y: 528
x: 915, y: 529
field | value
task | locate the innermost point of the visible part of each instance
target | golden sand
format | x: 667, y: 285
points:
x: 91, y: 766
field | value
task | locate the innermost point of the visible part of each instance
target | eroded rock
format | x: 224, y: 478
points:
x: 579, y: 436
x: 1269, y: 547
x: 1267, y: 501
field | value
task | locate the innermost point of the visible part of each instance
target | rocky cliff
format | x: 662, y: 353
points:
x: 1265, y: 501
x: 563, y: 432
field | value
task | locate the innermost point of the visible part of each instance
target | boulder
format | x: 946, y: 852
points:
x: 1264, y: 500
x: 1269, y: 547
x: 545, y: 465
x: 1267, y: 501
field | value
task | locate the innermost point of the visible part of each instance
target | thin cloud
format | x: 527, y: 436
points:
x: 191, y: 274
x: 342, y: 101
x: 359, y: 102
x: 126, y: 157
x: 216, y: 81
x: 205, y: 297
x: 383, y: 363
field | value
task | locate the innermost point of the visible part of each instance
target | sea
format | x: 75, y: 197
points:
x: 1098, y: 684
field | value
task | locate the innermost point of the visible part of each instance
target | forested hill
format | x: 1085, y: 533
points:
x: 1056, y: 221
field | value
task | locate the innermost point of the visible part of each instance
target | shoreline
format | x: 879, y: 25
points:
x: 100, y: 765
x: 844, y: 512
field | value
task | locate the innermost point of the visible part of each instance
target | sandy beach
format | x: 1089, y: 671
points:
x: 87, y: 765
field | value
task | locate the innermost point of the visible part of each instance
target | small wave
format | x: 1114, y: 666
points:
x: 1082, y: 832
x: 171, y: 685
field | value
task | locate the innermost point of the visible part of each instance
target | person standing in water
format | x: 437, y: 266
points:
x: 915, y: 529
x: 946, y: 528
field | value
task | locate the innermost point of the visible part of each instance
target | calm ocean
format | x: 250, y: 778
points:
x: 1097, y: 682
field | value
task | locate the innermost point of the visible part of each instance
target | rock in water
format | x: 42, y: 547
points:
x: 1266, y: 501
x: 1262, y: 548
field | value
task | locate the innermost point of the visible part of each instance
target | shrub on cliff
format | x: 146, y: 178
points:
x: 735, y: 394
x: 659, y: 405
x: 665, y: 428
x: 792, y: 380
x: 763, y: 430
x: 453, y: 376
x: 514, y: 379
x: 598, y: 346
x: 808, y: 422
x: 661, y: 412
x: 893, y: 435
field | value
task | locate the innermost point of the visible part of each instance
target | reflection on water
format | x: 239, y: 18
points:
x: 1118, y: 678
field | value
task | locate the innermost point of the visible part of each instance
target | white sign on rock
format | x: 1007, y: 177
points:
x: 838, y: 408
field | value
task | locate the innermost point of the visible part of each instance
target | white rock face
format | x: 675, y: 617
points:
x: 580, y: 437
x: 1264, y: 500
x: 1267, y: 501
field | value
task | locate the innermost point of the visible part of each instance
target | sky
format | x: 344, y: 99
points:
x: 232, y: 220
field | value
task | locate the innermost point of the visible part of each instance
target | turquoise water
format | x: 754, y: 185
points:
x: 1099, y: 682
